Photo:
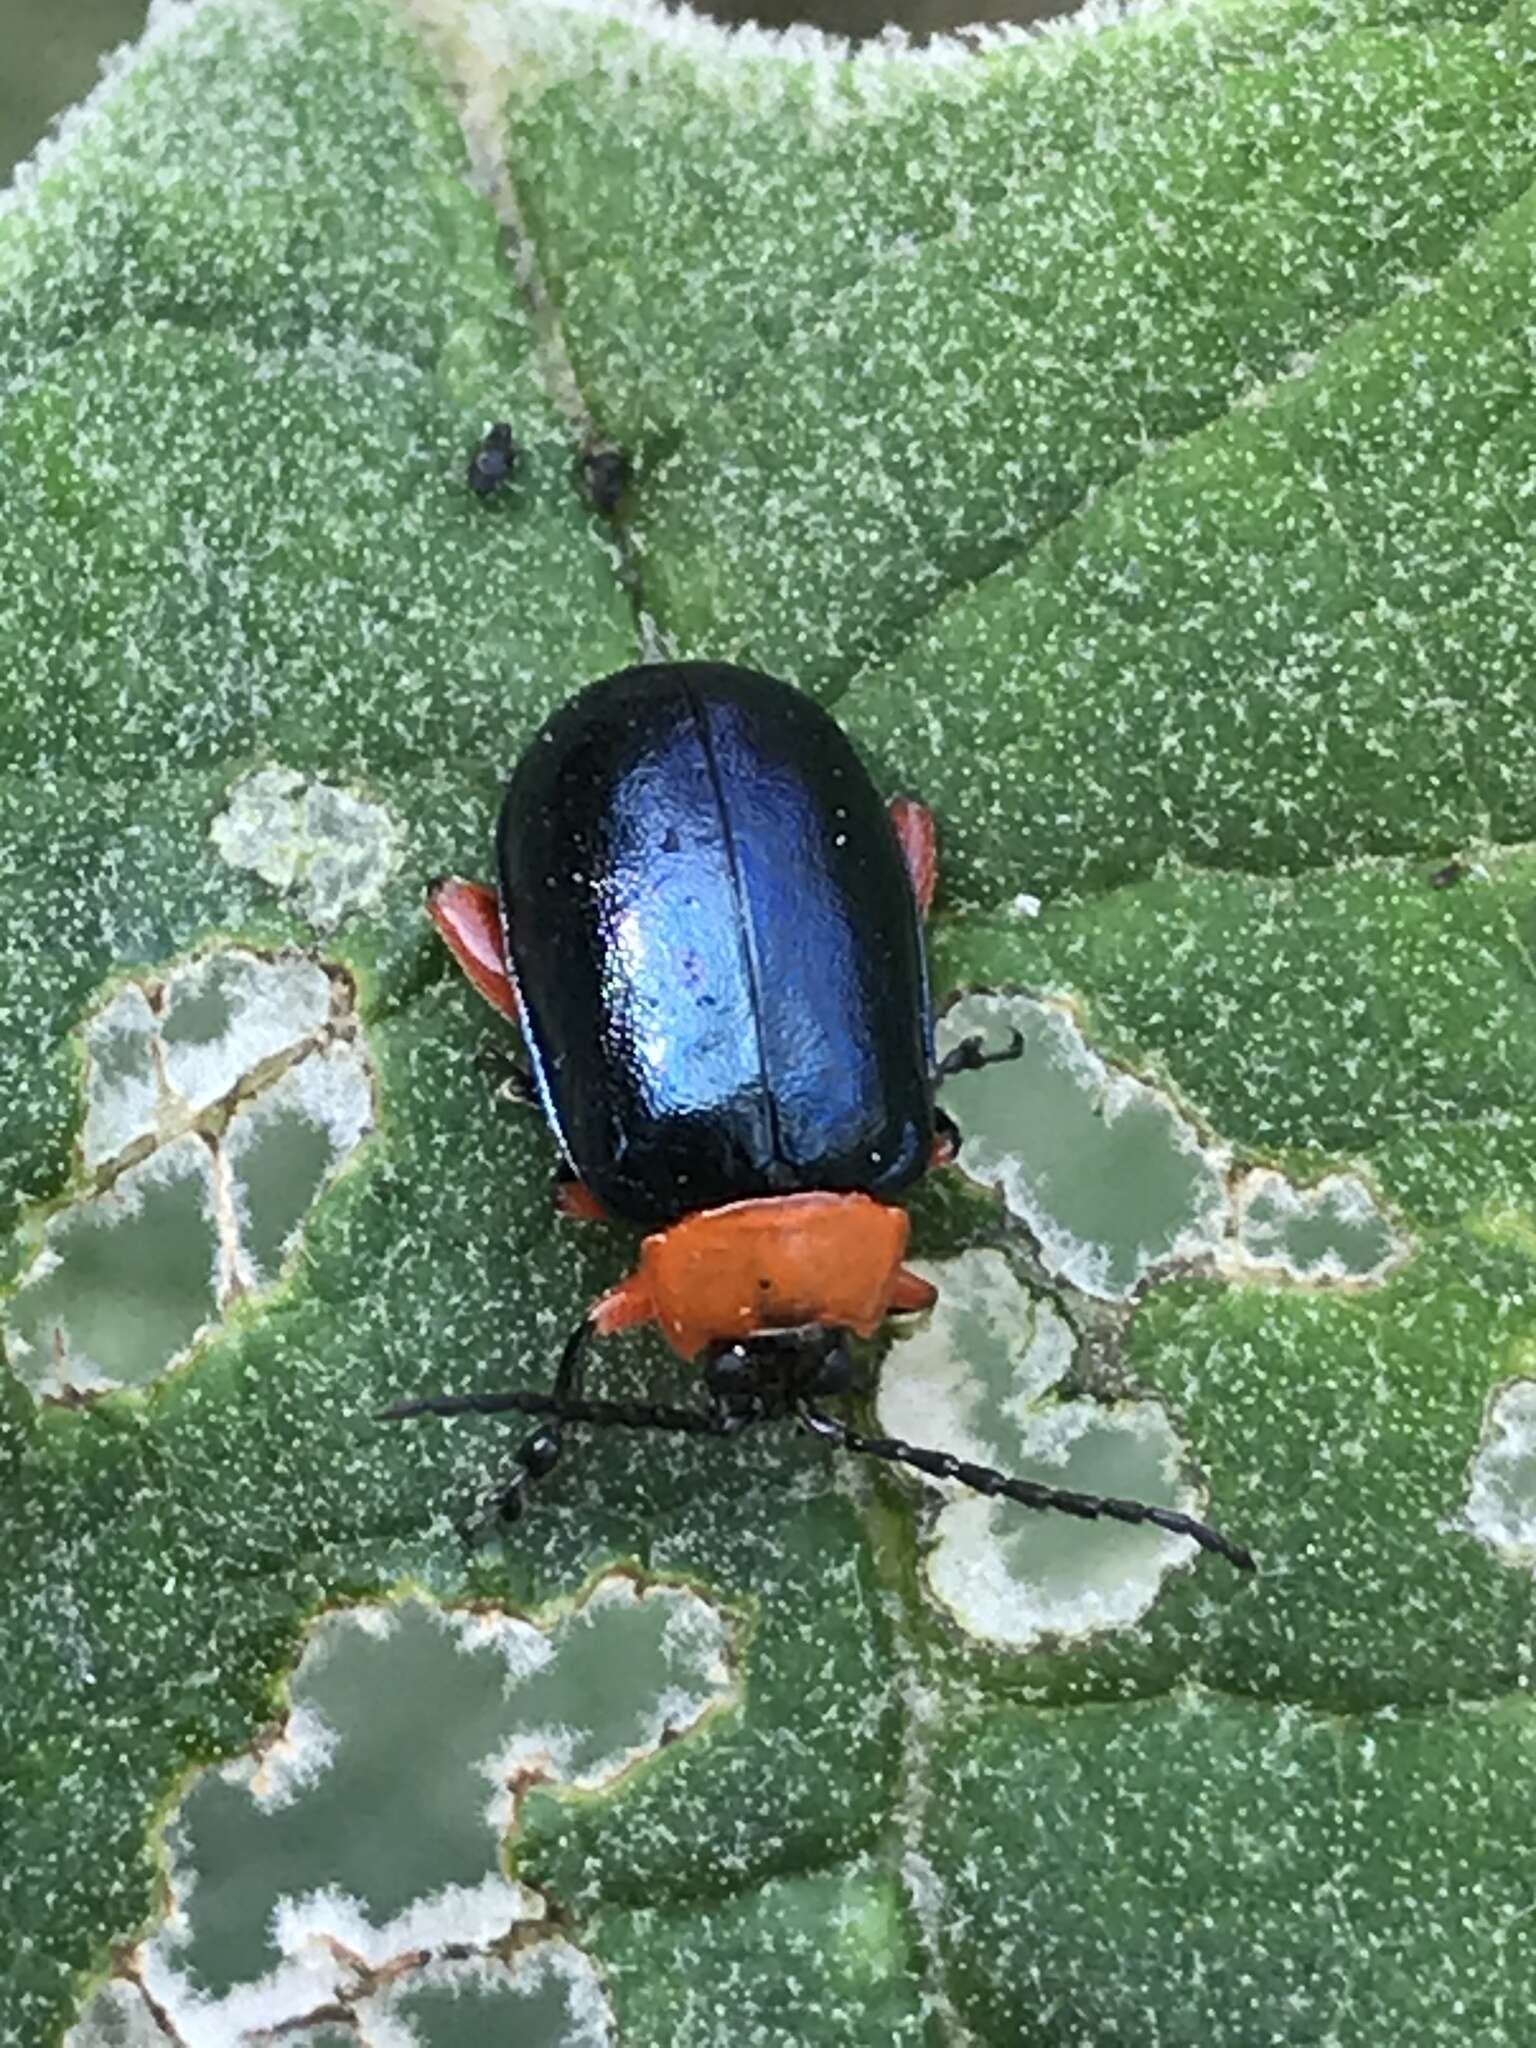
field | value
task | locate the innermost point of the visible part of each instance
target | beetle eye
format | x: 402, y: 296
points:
x: 730, y: 1370
x: 834, y: 1371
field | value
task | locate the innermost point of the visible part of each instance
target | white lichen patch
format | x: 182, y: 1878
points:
x: 1115, y: 1182
x: 225, y: 1014
x: 124, y: 1282
x: 975, y: 1367
x: 221, y: 1100
x: 977, y: 1379
x: 117, y: 2017
x: 1501, y: 1499
x: 122, y: 1085
x: 1331, y: 1231
x: 162, y: 1052
x: 547, y: 1996
x: 285, y: 1145
x: 576, y: 1727
x: 332, y: 851
x: 361, y: 1840
x: 1109, y: 1176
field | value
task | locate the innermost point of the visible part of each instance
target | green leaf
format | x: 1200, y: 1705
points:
x: 1128, y: 429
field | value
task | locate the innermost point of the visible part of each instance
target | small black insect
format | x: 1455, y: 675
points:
x: 493, y: 461
x: 1448, y: 876
x: 605, y: 470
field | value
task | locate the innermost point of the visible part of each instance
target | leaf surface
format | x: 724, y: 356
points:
x: 1128, y: 429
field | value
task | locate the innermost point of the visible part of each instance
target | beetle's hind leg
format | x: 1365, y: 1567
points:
x: 508, y: 1077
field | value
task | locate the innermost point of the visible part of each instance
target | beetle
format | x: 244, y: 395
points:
x: 711, y: 932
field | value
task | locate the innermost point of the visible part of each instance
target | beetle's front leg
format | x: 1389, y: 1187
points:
x: 918, y: 837
x: 469, y: 917
x: 539, y: 1452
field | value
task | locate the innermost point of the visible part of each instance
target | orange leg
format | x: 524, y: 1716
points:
x: 911, y: 1292
x: 624, y: 1307
x: 918, y: 837
x: 575, y: 1198
x: 469, y: 918
x: 467, y: 915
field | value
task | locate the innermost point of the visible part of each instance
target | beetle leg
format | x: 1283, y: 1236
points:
x: 623, y: 1307
x: 971, y: 1054
x: 506, y: 1075
x: 564, y: 1403
x: 539, y: 1452
x: 947, y: 1137
x: 469, y: 918
x: 918, y: 837
x: 910, y: 1292
x: 575, y: 1198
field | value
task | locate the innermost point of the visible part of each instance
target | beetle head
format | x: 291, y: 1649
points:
x: 780, y: 1367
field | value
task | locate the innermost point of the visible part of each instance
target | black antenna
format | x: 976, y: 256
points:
x: 571, y: 1408
x: 566, y: 1403
x: 567, y: 1383
x: 539, y: 1452
x: 1090, y: 1507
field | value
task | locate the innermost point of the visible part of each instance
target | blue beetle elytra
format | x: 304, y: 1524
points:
x: 710, y: 930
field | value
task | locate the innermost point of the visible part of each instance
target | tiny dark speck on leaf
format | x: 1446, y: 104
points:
x: 605, y: 471
x: 493, y: 461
